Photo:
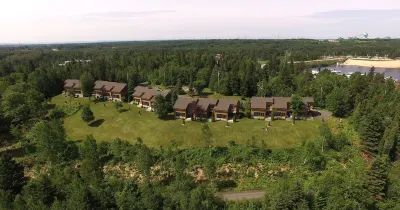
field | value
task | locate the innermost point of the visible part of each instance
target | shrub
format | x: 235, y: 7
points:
x: 56, y: 113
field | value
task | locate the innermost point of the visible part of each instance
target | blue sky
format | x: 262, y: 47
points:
x: 41, y: 21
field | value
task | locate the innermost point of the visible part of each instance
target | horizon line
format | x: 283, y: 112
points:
x: 165, y: 40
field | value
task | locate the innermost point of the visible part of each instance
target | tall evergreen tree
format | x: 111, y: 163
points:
x: 11, y: 175
x: 161, y: 106
x: 371, y: 132
x: 377, y: 176
x: 91, y: 168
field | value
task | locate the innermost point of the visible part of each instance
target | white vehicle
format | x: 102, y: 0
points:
x: 335, y: 71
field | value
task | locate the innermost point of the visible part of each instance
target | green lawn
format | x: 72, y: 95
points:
x: 155, y: 132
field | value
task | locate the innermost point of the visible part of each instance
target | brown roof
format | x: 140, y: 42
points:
x: 99, y: 84
x: 260, y: 102
x: 225, y: 105
x: 183, y: 102
x: 163, y: 93
x: 308, y: 100
x: 138, y: 93
x: 114, y: 87
x: 140, y: 87
x: 281, y: 102
x: 147, y: 93
x: 119, y: 87
x: 72, y: 83
x: 204, y: 103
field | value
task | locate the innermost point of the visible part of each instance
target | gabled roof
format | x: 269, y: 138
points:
x: 114, y: 87
x: 183, y: 102
x: 225, y: 105
x: 281, y: 102
x: 260, y: 102
x: 140, y: 86
x: 118, y: 87
x: 72, y: 83
x: 204, y: 103
x: 148, y: 93
x: 163, y: 93
x: 308, y: 100
x: 99, y: 84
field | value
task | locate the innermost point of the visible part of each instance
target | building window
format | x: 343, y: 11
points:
x: 78, y: 92
x: 218, y: 115
x: 116, y: 96
x: 178, y: 114
x: 255, y: 114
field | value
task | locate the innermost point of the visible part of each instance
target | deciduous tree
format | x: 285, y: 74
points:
x: 87, y: 84
x: 296, y: 105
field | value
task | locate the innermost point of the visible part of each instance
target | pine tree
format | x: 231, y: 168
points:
x: 91, y: 167
x: 387, y: 143
x: 377, y: 177
x: 161, y: 106
x: 371, y: 132
x: 11, y: 175
x: 87, y: 114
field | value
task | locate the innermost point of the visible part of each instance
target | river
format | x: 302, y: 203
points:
x: 388, y: 72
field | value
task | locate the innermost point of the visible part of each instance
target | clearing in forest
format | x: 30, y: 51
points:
x: 130, y: 125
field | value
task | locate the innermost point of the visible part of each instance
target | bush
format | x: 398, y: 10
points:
x: 56, y: 113
x: 87, y: 114
x: 68, y: 109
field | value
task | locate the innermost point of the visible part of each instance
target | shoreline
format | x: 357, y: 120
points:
x: 389, y: 64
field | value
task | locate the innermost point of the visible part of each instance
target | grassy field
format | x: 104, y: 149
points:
x: 129, y: 125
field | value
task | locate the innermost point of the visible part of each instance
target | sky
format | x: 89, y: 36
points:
x: 60, y: 21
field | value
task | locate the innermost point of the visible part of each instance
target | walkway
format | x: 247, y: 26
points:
x: 230, y: 196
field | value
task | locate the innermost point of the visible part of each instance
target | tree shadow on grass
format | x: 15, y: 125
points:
x: 96, y: 123
x: 122, y: 110
x: 167, y: 117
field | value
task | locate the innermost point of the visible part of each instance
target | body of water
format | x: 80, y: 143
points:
x: 388, y: 72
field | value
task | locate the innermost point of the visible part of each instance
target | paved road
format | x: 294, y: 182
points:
x: 241, y: 195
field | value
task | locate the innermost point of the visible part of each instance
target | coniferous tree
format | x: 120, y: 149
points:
x: 389, y: 138
x: 87, y: 114
x: 91, y: 168
x: 161, y: 106
x: 11, y: 175
x: 376, y: 181
x: 371, y: 132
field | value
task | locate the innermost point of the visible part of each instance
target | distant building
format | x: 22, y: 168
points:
x: 219, y: 57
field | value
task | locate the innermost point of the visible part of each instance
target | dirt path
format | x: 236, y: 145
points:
x: 230, y: 196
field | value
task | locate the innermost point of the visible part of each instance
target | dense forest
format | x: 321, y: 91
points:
x: 347, y: 165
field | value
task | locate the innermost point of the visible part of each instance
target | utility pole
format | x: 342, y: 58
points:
x: 218, y: 81
x: 127, y: 81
